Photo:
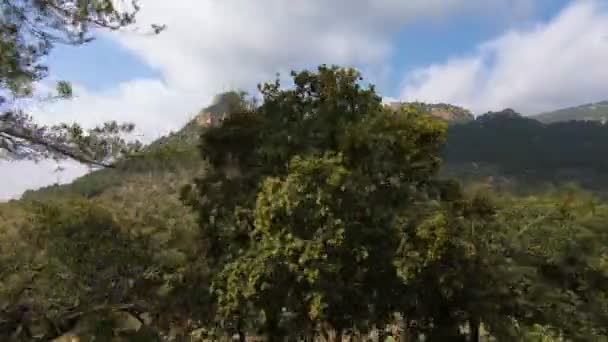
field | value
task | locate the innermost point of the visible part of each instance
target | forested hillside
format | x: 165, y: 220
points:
x: 527, y: 154
x: 319, y: 214
x: 499, y: 148
x: 175, y: 152
x: 589, y: 112
x: 451, y: 114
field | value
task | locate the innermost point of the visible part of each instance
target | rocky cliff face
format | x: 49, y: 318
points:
x: 218, y: 110
x: 224, y: 103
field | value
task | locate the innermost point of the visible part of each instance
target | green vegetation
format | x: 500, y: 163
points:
x: 319, y: 214
x: 450, y: 113
x: 528, y: 152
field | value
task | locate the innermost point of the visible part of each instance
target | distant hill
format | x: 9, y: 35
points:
x: 450, y: 113
x: 178, y: 151
x: 527, y: 152
x: 503, y: 146
x: 588, y: 112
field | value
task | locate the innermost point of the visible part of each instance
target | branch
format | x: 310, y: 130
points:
x: 134, y: 310
x: 130, y: 308
x: 113, y: 22
x: 128, y: 19
x: 58, y: 149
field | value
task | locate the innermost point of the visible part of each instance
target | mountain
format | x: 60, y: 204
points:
x: 176, y: 153
x: 528, y: 152
x: 588, y: 112
x: 525, y: 150
x: 450, y: 113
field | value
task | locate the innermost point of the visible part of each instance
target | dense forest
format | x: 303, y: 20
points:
x: 531, y: 154
x: 319, y: 214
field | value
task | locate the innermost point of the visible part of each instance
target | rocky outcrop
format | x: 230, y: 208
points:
x: 222, y: 104
x: 441, y: 111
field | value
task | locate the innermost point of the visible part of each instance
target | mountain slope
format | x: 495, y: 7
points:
x: 588, y: 112
x: 450, y: 113
x: 176, y: 152
x: 529, y: 152
x: 552, y: 150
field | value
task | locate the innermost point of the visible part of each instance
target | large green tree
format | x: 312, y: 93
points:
x: 306, y: 205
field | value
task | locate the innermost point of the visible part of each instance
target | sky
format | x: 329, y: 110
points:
x: 484, y: 55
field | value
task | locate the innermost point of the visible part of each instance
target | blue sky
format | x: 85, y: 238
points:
x: 424, y: 43
x: 100, y: 64
x: 529, y: 55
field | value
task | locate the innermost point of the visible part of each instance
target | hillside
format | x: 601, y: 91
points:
x: 503, y: 148
x: 169, y: 154
x: 588, y: 112
x: 520, y: 150
x: 450, y: 113
x: 178, y: 152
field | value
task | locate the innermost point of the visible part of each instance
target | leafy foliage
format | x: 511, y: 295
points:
x: 317, y: 213
x: 74, y: 260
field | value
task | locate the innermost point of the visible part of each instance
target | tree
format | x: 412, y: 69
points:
x: 302, y: 198
x: 563, y: 241
x: 75, y: 263
x: 28, y: 31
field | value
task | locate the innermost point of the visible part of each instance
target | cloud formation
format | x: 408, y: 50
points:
x: 553, y: 65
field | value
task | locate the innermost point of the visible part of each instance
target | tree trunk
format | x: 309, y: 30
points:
x: 272, y: 330
x: 338, y: 337
x: 324, y: 332
x: 239, y: 329
x: 474, y: 329
x: 381, y: 334
x: 242, y: 336
x: 408, y: 333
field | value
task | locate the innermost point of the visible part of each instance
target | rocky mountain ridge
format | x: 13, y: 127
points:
x: 441, y: 111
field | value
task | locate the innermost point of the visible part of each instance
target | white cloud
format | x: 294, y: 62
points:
x: 155, y: 108
x: 215, y: 45
x: 147, y: 102
x: 556, y: 64
x: 210, y: 44
x: 20, y: 176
